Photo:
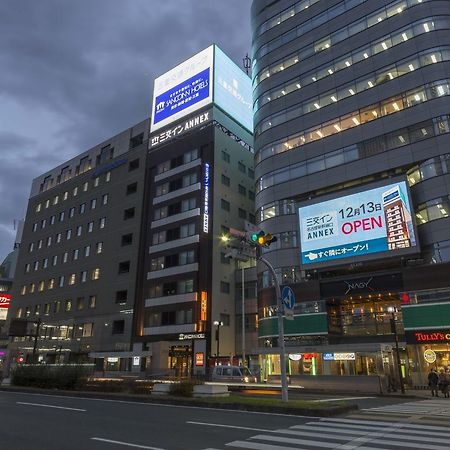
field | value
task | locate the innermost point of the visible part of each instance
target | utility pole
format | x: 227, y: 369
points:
x: 393, y: 310
x: 243, y: 314
x: 36, y: 336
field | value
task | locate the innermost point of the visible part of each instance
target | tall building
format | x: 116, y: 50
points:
x: 351, y: 161
x: 77, y: 266
x: 199, y: 185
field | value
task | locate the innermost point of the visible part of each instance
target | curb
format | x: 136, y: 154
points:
x: 316, y: 412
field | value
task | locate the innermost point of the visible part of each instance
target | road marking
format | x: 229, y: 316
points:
x: 231, y: 426
x: 158, y: 404
x: 50, y: 406
x: 109, y: 441
x: 339, y: 399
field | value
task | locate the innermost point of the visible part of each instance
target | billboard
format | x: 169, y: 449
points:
x: 232, y: 90
x: 5, y: 300
x: 375, y: 222
x: 183, y: 90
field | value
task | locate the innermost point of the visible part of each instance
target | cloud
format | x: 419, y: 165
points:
x: 77, y: 72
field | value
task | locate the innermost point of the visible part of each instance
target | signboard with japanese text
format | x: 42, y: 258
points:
x: 374, y: 222
x: 232, y: 90
x: 183, y: 90
x: 5, y: 300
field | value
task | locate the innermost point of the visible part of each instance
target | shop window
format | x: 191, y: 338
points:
x: 118, y: 327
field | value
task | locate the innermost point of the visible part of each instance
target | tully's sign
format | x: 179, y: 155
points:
x: 427, y: 337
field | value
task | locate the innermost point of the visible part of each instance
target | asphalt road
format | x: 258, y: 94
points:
x: 48, y: 422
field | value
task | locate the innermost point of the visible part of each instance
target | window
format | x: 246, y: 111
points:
x: 127, y: 239
x: 96, y: 181
x: 128, y: 213
x: 56, y: 200
x: 61, y: 281
x: 32, y: 288
x: 68, y: 305
x: 45, y: 263
x: 92, y: 301
x: 52, y: 220
x: 118, y: 327
x: 58, y: 238
x: 224, y: 259
x: 55, y: 260
x: 93, y: 203
x: 65, y: 257
x: 131, y: 188
x: 43, y: 223
x: 82, y: 208
x: 66, y: 195
x: 104, y: 199
x: 31, y: 247
x: 133, y: 165
x: 27, y: 267
x: 95, y: 275
x: 57, y: 306
x: 124, y: 267
x: 225, y: 180
x: 38, y: 207
x: 68, y: 233
x: 79, y: 230
x: 72, y: 279
x: 99, y: 247
x: 47, y: 204
x: 76, y: 254
x: 224, y: 287
x: 61, y: 216
x: 102, y: 222
x: 88, y: 329
x: 83, y: 276
x: 51, y: 283
x: 49, y: 241
x: 242, y: 190
x: 187, y: 257
x: 189, y: 179
x: 225, y: 319
x: 41, y: 286
x: 188, y: 204
x: 251, y: 195
x: 251, y: 218
x: 224, y: 204
x: 80, y: 303
x: 108, y: 177
x: 36, y: 265
x: 242, y: 167
x: 40, y: 242
x: 75, y: 191
x: 47, y: 309
x: 90, y: 227
x: 242, y: 213
x: 251, y: 174
x: 23, y: 290
x: 87, y: 251
x: 187, y: 230
x: 121, y: 296
x: 85, y: 186
x: 225, y: 156
x: 35, y: 225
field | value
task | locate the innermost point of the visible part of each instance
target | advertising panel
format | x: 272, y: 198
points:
x: 232, y: 90
x: 183, y: 90
x: 370, y: 222
x: 5, y: 300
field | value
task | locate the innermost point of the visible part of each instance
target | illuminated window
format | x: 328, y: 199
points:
x: 95, y: 274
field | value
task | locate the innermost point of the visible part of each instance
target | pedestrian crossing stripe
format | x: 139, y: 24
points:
x: 423, y: 407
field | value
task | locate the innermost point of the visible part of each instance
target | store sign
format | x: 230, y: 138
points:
x: 427, y: 337
x: 180, y: 129
x: 199, y: 359
x: 295, y: 357
x: 204, y: 306
x: 112, y: 360
x: 373, y: 221
x: 338, y: 356
x: 183, y: 89
x: 358, y: 285
x: 136, y: 360
x: 5, y: 300
x: 430, y: 356
x: 188, y: 337
x: 206, y: 184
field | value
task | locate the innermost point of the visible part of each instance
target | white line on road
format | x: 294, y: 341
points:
x: 50, y: 406
x: 231, y: 426
x: 340, y: 398
x: 109, y: 441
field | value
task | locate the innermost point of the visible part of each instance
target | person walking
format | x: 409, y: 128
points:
x: 443, y: 383
x: 433, y: 381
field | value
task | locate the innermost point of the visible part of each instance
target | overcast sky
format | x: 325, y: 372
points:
x: 75, y: 72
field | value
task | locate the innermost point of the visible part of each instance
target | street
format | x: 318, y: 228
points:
x: 50, y: 422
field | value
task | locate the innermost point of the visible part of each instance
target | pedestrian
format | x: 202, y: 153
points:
x: 433, y: 381
x: 443, y: 383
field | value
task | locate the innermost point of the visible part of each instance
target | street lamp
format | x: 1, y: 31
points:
x: 218, y: 324
x: 393, y: 310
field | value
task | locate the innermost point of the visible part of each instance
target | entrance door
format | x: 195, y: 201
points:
x: 180, y: 361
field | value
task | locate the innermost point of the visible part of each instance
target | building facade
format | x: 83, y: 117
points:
x: 350, y: 97
x: 77, y: 265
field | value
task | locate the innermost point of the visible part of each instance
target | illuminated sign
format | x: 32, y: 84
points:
x: 339, y: 356
x: 112, y: 360
x: 183, y: 89
x: 206, y: 183
x: 180, y: 128
x: 427, y: 337
x: 5, y: 300
x: 295, y: 357
x: 199, y: 359
x: 187, y: 337
x: 136, y: 360
x: 430, y: 356
x: 372, y: 221
x: 232, y: 90
x: 204, y: 306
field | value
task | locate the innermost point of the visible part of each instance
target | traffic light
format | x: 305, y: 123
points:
x: 262, y: 239
x: 20, y: 359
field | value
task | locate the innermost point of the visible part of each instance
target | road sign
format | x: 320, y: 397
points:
x: 288, y: 297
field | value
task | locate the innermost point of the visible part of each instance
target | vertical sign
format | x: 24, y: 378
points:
x: 203, y: 306
x: 5, y: 300
x: 206, y: 185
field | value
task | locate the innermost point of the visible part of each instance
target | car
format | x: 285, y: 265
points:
x: 233, y: 373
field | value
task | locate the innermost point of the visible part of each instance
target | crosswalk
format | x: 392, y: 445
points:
x: 429, y: 408
x: 349, y: 434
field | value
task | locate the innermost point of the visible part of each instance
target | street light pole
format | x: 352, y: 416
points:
x: 243, y: 315
x: 393, y: 310
x: 281, y: 346
x: 218, y: 323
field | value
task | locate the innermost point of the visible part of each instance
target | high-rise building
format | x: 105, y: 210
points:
x: 351, y: 131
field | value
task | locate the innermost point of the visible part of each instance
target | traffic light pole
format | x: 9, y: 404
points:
x: 281, y: 346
